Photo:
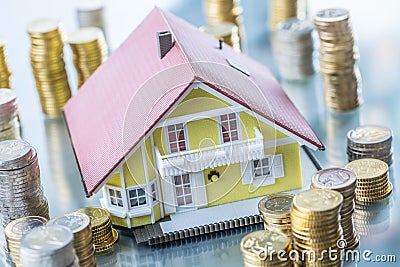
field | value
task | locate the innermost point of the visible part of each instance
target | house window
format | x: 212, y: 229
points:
x: 137, y: 197
x: 262, y: 168
x: 176, y: 137
x: 229, y: 127
x: 115, y: 197
x: 183, y: 190
x: 153, y: 188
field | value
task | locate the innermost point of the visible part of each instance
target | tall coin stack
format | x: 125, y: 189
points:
x: 14, y: 232
x: 226, y: 31
x: 90, y: 13
x: 48, y: 245
x: 89, y: 49
x: 344, y: 182
x: 220, y: 11
x: 104, y: 235
x: 5, y: 72
x: 342, y: 84
x: 260, y: 248
x: 370, y: 141
x: 293, y: 49
x: 9, y: 123
x: 372, y: 179
x: 21, y: 193
x: 275, y: 211
x: 316, y: 226
x: 48, y: 67
x: 79, y: 224
x: 280, y: 10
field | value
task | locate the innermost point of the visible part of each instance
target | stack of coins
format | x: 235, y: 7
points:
x: 14, y: 232
x: 226, y: 31
x: 21, y: 193
x: 220, y: 11
x: 9, y: 123
x: 48, y: 245
x: 90, y: 13
x: 275, y: 211
x: 342, y: 88
x: 260, y: 248
x: 372, y: 179
x: 280, y: 10
x: 104, y: 235
x: 47, y: 60
x: 316, y: 226
x: 344, y: 182
x: 293, y: 49
x: 370, y: 141
x: 89, y: 49
x: 79, y: 224
x: 5, y: 72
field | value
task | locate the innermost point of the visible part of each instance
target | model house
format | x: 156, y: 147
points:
x: 175, y: 123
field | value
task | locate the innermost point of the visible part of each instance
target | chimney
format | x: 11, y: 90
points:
x: 164, y: 42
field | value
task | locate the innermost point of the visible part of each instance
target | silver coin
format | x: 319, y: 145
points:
x: 75, y: 221
x: 14, y: 154
x: 369, y: 134
x: 334, y: 178
x: 332, y: 15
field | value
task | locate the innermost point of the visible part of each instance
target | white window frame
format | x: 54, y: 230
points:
x: 184, y: 195
x: 184, y: 132
x: 238, y: 127
x: 157, y: 195
x: 137, y: 196
x: 109, y: 197
x: 277, y: 171
x: 270, y: 166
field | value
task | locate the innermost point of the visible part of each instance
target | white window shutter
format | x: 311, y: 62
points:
x: 199, y: 189
x: 169, y: 199
x: 246, y: 171
x: 278, y: 166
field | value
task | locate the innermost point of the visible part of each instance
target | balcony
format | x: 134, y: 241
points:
x: 210, y: 157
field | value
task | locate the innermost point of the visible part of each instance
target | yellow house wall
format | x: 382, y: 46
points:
x: 197, y: 101
x: 138, y: 221
x: 248, y: 122
x: 157, y: 212
x: 150, y: 160
x: 203, y: 133
x: 133, y: 169
x: 115, y: 180
x: 119, y: 221
x: 159, y: 140
x: 230, y: 179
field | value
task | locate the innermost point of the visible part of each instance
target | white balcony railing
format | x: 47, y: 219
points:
x: 210, y: 157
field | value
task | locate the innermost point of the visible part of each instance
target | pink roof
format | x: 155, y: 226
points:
x: 104, y: 127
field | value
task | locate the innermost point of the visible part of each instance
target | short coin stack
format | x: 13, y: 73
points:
x: 90, y: 13
x: 21, y: 193
x: 260, y: 248
x: 370, y: 141
x: 14, y: 232
x: 104, y: 235
x: 293, y: 49
x: 372, y: 179
x: 341, y: 77
x: 220, y: 11
x: 79, y: 224
x: 316, y: 225
x: 275, y: 211
x: 48, y: 67
x: 89, y: 49
x: 226, y: 31
x: 5, y: 72
x: 9, y: 123
x: 48, y: 245
x: 344, y: 182
x: 280, y: 10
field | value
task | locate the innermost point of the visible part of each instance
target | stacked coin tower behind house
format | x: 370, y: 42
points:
x: 5, y: 72
x: 48, y: 67
x: 9, y: 123
x: 21, y: 193
x: 338, y: 56
x: 280, y: 10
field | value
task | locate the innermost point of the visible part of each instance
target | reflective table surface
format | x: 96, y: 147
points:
x: 376, y: 26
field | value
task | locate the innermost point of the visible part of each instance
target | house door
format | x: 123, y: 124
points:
x: 183, y: 192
